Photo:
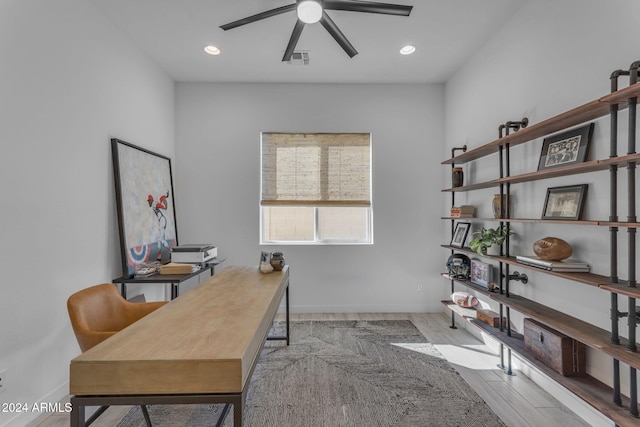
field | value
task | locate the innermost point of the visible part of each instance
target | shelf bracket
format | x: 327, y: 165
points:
x: 517, y: 125
x: 454, y: 149
x: 519, y: 277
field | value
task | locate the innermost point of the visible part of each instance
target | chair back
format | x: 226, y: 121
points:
x: 96, y: 313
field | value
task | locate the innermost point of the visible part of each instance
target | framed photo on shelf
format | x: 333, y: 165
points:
x: 566, y: 148
x: 460, y: 234
x: 145, y: 205
x: 481, y: 273
x: 565, y: 202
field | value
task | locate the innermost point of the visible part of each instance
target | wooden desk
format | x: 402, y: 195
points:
x: 199, y: 348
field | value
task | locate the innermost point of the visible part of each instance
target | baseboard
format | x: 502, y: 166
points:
x: 414, y: 308
x: 568, y: 399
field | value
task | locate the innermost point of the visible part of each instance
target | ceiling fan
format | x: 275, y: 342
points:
x: 312, y: 11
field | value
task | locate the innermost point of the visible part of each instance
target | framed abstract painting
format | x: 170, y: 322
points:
x: 145, y: 205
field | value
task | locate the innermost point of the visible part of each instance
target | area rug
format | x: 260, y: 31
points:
x: 344, y: 373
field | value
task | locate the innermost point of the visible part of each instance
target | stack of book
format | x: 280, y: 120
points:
x: 464, y: 211
x: 566, y: 266
x: 178, y: 268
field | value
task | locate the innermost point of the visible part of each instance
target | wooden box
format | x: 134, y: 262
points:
x: 490, y: 317
x: 556, y: 350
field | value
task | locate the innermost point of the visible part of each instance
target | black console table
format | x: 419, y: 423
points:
x: 174, y: 279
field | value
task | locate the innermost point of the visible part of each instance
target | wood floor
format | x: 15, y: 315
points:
x: 515, y: 399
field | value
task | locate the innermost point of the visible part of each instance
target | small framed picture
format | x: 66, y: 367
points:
x: 565, y: 202
x: 566, y: 148
x: 481, y: 273
x: 460, y: 234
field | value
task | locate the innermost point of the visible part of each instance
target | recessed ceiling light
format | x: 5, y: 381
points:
x: 212, y: 50
x: 408, y: 50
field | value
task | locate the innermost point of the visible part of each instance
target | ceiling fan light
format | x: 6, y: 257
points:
x: 407, y: 50
x: 309, y: 11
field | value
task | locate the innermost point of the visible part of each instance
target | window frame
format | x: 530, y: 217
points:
x: 368, y: 240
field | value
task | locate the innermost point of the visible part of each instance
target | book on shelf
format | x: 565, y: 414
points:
x: 178, y: 268
x: 567, y: 265
x: 464, y: 211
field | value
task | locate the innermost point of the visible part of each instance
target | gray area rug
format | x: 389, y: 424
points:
x: 344, y: 373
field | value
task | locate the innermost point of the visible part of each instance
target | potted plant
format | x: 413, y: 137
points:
x: 487, y: 237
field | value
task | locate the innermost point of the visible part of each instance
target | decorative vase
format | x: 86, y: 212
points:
x: 498, y: 210
x: 277, y: 261
x: 493, y: 250
x: 457, y: 177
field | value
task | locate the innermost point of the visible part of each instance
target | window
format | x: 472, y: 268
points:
x: 316, y: 188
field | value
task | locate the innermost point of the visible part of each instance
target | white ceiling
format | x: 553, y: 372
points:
x: 174, y: 32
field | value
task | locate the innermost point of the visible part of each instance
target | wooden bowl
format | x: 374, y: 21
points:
x: 552, y: 249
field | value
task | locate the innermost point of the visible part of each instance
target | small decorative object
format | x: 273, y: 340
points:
x: 460, y: 234
x: 464, y: 211
x: 458, y: 266
x: 481, y: 273
x: 464, y: 299
x: 265, y: 262
x: 490, y: 317
x: 487, y: 237
x: 558, y: 351
x: 457, y: 177
x: 566, y: 148
x: 499, y: 209
x: 564, y: 202
x: 266, y: 268
x: 277, y: 261
x: 552, y: 249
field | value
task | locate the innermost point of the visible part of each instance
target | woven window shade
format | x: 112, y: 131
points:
x: 316, y: 169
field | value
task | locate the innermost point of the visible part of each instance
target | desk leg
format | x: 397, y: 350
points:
x: 123, y: 290
x: 174, y: 290
x: 287, y: 310
x: 77, y: 415
x: 238, y: 407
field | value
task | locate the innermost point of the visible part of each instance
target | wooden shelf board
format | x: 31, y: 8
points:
x: 460, y: 219
x: 622, y: 289
x: 591, y: 222
x: 469, y: 284
x: 623, y: 224
x: 590, y: 279
x: 622, y: 95
x: 589, y: 111
x: 471, y: 187
x: 580, y: 168
x: 550, y: 221
x: 589, y: 389
x: 590, y: 335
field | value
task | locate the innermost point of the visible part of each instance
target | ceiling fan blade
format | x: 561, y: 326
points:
x: 368, y: 6
x: 335, y: 32
x: 259, y: 16
x: 293, y: 41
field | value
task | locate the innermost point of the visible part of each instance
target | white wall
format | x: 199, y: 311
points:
x: 69, y: 81
x: 552, y: 56
x: 217, y: 154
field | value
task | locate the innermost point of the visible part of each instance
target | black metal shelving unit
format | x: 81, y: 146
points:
x: 608, y: 400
